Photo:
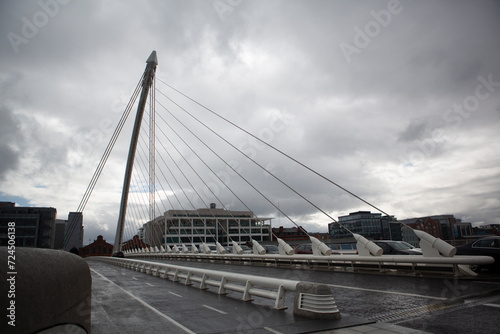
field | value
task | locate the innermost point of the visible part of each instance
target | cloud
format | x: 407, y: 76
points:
x: 384, y: 125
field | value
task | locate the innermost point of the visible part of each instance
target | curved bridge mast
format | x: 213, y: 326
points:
x: 147, y: 81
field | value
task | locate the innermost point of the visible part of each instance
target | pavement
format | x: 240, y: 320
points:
x: 131, y: 302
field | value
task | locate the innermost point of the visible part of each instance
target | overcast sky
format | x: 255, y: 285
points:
x: 397, y: 102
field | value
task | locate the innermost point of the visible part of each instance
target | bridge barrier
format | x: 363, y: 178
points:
x: 45, y: 291
x: 413, y: 264
x: 312, y: 300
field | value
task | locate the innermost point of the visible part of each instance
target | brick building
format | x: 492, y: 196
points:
x: 134, y: 243
x: 98, y: 248
x: 290, y: 233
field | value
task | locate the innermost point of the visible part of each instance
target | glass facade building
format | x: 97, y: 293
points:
x: 34, y: 226
x: 208, y: 225
x: 370, y: 225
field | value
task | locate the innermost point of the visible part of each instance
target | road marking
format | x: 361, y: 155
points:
x: 272, y: 330
x: 149, y: 284
x: 187, y: 330
x: 135, y: 278
x: 172, y: 293
x: 492, y: 305
x: 480, y: 282
x: 386, y: 292
x: 214, y: 309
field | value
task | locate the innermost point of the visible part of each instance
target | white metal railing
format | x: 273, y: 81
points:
x: 248, y: 285
x: 435, y: 252
x: 456, y: 265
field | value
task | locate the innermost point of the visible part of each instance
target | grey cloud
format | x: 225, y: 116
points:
x: 359, y: 123
x: 11, y: 141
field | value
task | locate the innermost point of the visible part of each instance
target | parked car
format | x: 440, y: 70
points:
x: 304, y: 249
x: 345, y: 248
x: 118, y: 254
x: 488, y: 246
x: 271, y: 249
x: 392, y: 247
x: 246, y: 249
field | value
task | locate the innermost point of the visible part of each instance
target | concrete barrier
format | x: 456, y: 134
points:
x: 315, y: 301
x: 44, y: 291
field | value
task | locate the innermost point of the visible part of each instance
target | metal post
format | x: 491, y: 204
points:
x: 147, y: 81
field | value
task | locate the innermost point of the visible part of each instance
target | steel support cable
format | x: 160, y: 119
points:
x: 175, y: 195
x: 203, y: 161
x: 137, y: 213
x: 156, y: 206
x: 276, y: 149
x: 192, y: 168
x: 194, y: 188
x: 132, y: 219
x: 140, y: 203
x: 102, y: 162
x: 109, y: 148
x: 100, y: 167
x: 179, y: 185
x: 159, y: 182
x: 152, y: 125
x: 140, y: 171
x: 182, y: 189
x: 256, y: 163
x: 239, y: 174
x: 128, y: 228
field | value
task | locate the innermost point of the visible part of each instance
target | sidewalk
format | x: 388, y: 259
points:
x: 375, y: 328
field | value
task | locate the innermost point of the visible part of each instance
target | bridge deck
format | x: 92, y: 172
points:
x: 132, y: 302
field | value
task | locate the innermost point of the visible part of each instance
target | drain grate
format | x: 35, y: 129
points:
x: 317, y: 303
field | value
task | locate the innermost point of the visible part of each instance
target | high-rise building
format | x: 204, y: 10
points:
x: 206, y: 225
x: 446, y: 227
x: 370, y: 225
x: 69, y: 233
x: 34, y: 226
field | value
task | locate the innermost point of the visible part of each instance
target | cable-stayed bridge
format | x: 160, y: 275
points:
x: 195, y: 195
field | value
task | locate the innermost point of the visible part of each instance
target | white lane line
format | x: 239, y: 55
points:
x: 172, y: 293
x: 387, y: 292
x: 492, y: 305
x: 135, y: 278
x: 149, y: 284
x: 187, y: 330
x: 214, y: 309
x: 272, y: 330
x: 481, y: 282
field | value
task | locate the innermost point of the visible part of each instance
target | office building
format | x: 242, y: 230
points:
x: 370, y: 225
x: 34, y: 226
x: 206, y: 225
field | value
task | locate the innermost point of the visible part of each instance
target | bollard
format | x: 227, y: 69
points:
x: 51, y: 290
